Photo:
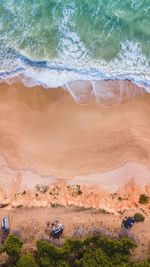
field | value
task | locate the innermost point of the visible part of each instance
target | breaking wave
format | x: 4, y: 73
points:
x: 109, y: 83
x: 95, y: 50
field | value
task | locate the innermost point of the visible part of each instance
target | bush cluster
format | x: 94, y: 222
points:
x: 143, y: 199
x: 139, y: 217
x: 94, y: 251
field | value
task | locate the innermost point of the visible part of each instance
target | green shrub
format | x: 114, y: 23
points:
x: 51, y: 250
x: 27, y: 261
x: 95, y: 258
x: 111, y: 246
x: 78, y: 190
x: 143, y: 199
x: 51, y: 256
x: 1, y: 249
x: 142, y: 264
x: 74, y: 246
x: 13, y: 245
x: 139, y: 217
x: 92, y: 251
x: 100, y: 251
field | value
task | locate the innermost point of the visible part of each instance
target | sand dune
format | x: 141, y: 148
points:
x: 47, y: 133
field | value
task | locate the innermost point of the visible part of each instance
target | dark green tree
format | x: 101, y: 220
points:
x: 27, y: 261
x: 13, y: 246
x: 110, y: 246
x: 95, y: 258
x: 51, y: 256
x: 74, y: 246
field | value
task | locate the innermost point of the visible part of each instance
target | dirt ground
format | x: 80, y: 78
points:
x: 31, y: 224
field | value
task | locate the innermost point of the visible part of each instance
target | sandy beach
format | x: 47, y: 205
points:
x: 51, y: 147
x: 47, y: 138
x: 45, y: 133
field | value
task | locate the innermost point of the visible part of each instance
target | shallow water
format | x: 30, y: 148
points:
x: 55, y: 42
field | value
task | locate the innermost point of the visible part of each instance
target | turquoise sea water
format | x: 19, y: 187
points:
x: 53, y: 42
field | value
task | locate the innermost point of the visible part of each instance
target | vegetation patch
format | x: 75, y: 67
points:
x: 55, y: 192
x: 13, y: 245
x: 27, y: 261
x: 41, y: 188
x: 94, y: 251
x: 143, y: 199
x: 75, y: 190
x: 139, y: 217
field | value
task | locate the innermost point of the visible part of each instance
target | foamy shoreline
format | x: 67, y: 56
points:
x: 107, y: 92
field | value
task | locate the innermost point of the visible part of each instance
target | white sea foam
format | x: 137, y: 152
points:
x: 130, y: 64
x: 70, y: 49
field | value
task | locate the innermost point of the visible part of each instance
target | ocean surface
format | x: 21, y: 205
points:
x: 57, y: 42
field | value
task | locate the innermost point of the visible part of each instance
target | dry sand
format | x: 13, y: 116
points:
x: 46, y: 138
x: 45, y: 132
